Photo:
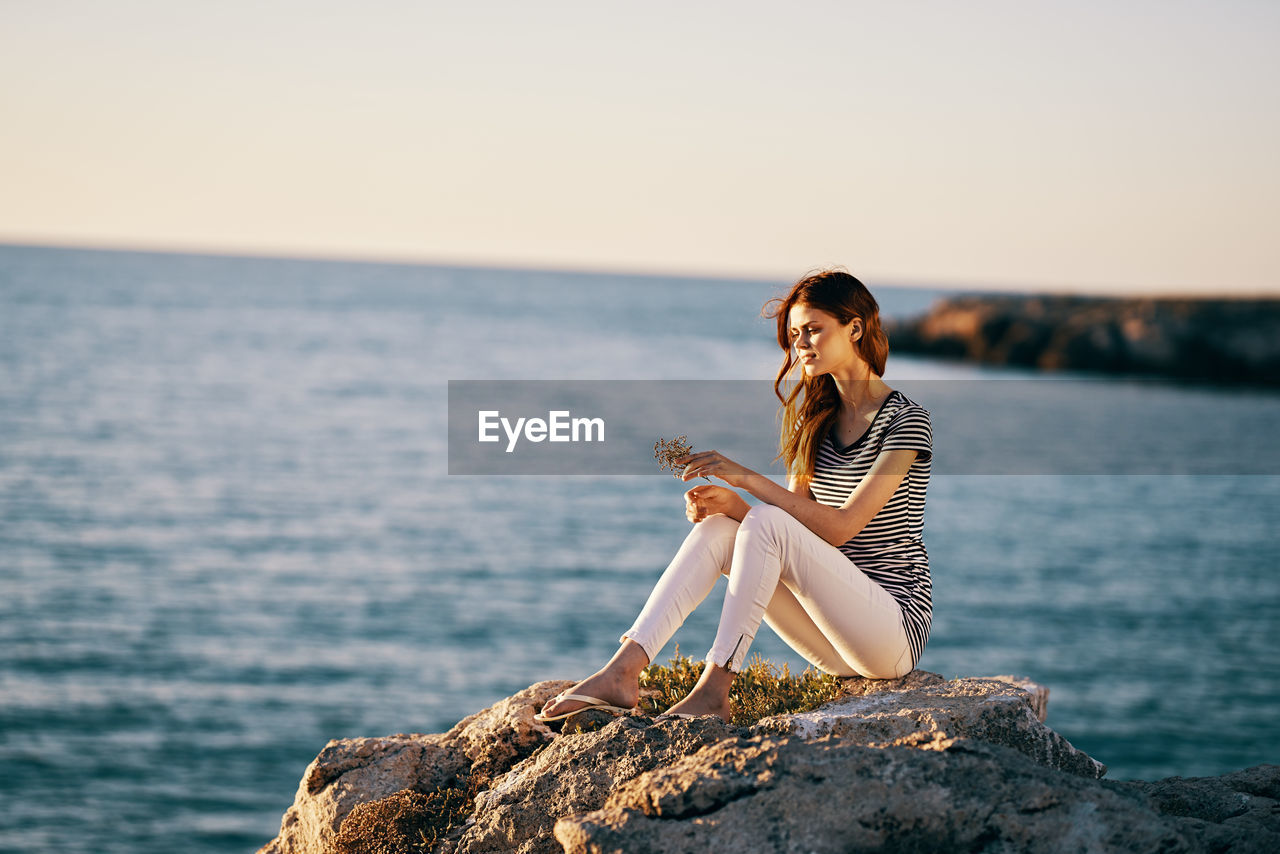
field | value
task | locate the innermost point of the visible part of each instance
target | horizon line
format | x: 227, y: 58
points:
x: 956, y: 286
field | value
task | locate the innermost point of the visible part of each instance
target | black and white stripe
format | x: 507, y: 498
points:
x: 890, y: 549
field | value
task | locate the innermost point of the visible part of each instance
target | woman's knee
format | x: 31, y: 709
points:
x: 717, y: 524
x: 764, y: 516
x: 717, y: 527
x: 765, y: 520
x: 762, y: 521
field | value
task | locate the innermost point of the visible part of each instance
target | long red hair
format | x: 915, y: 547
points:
x: 810, y: 406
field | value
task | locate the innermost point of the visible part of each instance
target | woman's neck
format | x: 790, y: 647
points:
x: 861, y: 391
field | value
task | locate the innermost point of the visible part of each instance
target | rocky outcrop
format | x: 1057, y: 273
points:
x: 924, y: 710
x: 1218, y: 811
x: 575, y: 774
x: 1220, y: 340
x: 918, y: 763
x: 829, y: 795
x: 352, y: 771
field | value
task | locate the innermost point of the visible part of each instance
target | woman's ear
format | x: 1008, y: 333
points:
x: 856, y: 331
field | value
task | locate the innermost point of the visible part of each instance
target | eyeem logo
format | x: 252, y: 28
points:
x: 558, y: 427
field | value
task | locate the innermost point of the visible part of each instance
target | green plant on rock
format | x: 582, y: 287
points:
x: 760, y: 689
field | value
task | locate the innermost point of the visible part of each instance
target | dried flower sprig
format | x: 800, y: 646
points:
x: 667, y: 451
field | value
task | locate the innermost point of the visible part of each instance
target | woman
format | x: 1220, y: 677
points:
x: 835, y: 561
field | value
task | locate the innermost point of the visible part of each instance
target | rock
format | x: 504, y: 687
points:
x: 1219, y: 811
x: 352, y: 771
x: 918, y: 763
x: 829, y: 795
x: 355, y: 770
x: 935, y: 714
x: 500, y: 736
x: 1220, y: 340
x: 1037, y: 696
x: 576, y: 773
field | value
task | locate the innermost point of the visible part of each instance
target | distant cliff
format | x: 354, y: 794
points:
x: 1233, y: 341
x: 912, y: 764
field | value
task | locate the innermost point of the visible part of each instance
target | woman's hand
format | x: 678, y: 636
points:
x: 713, y: 464
x: 707, y: 500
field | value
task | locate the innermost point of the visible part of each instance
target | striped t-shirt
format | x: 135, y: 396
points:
x: 890, y: 549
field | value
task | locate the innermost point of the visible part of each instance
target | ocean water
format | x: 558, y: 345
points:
x: 228, y: 535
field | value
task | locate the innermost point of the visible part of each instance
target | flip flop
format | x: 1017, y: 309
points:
x: 593, y: 703
x: 668, y: 716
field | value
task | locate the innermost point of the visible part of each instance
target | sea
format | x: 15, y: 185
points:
x: 229, y: 534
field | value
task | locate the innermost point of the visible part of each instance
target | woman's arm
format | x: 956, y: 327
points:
x: 836, y: 525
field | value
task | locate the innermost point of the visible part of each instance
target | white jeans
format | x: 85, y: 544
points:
x: 806, y: 589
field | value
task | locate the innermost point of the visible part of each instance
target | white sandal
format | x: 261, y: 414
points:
x: 593, y: 703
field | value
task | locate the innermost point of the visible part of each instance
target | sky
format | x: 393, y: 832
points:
x: 1096, y: 147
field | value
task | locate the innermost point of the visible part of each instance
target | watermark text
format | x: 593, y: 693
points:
x: 559, y: 426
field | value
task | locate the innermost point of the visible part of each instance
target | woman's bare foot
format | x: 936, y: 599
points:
x: 709, y: 697
x: 602, y: 685
x: 617, y: 683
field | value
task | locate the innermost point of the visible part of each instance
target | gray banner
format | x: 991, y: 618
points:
x: 1007, y: 426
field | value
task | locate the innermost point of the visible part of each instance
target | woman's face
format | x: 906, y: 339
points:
x: 822, y: 343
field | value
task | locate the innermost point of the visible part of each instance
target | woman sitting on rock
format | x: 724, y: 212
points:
x: 835, y: 562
